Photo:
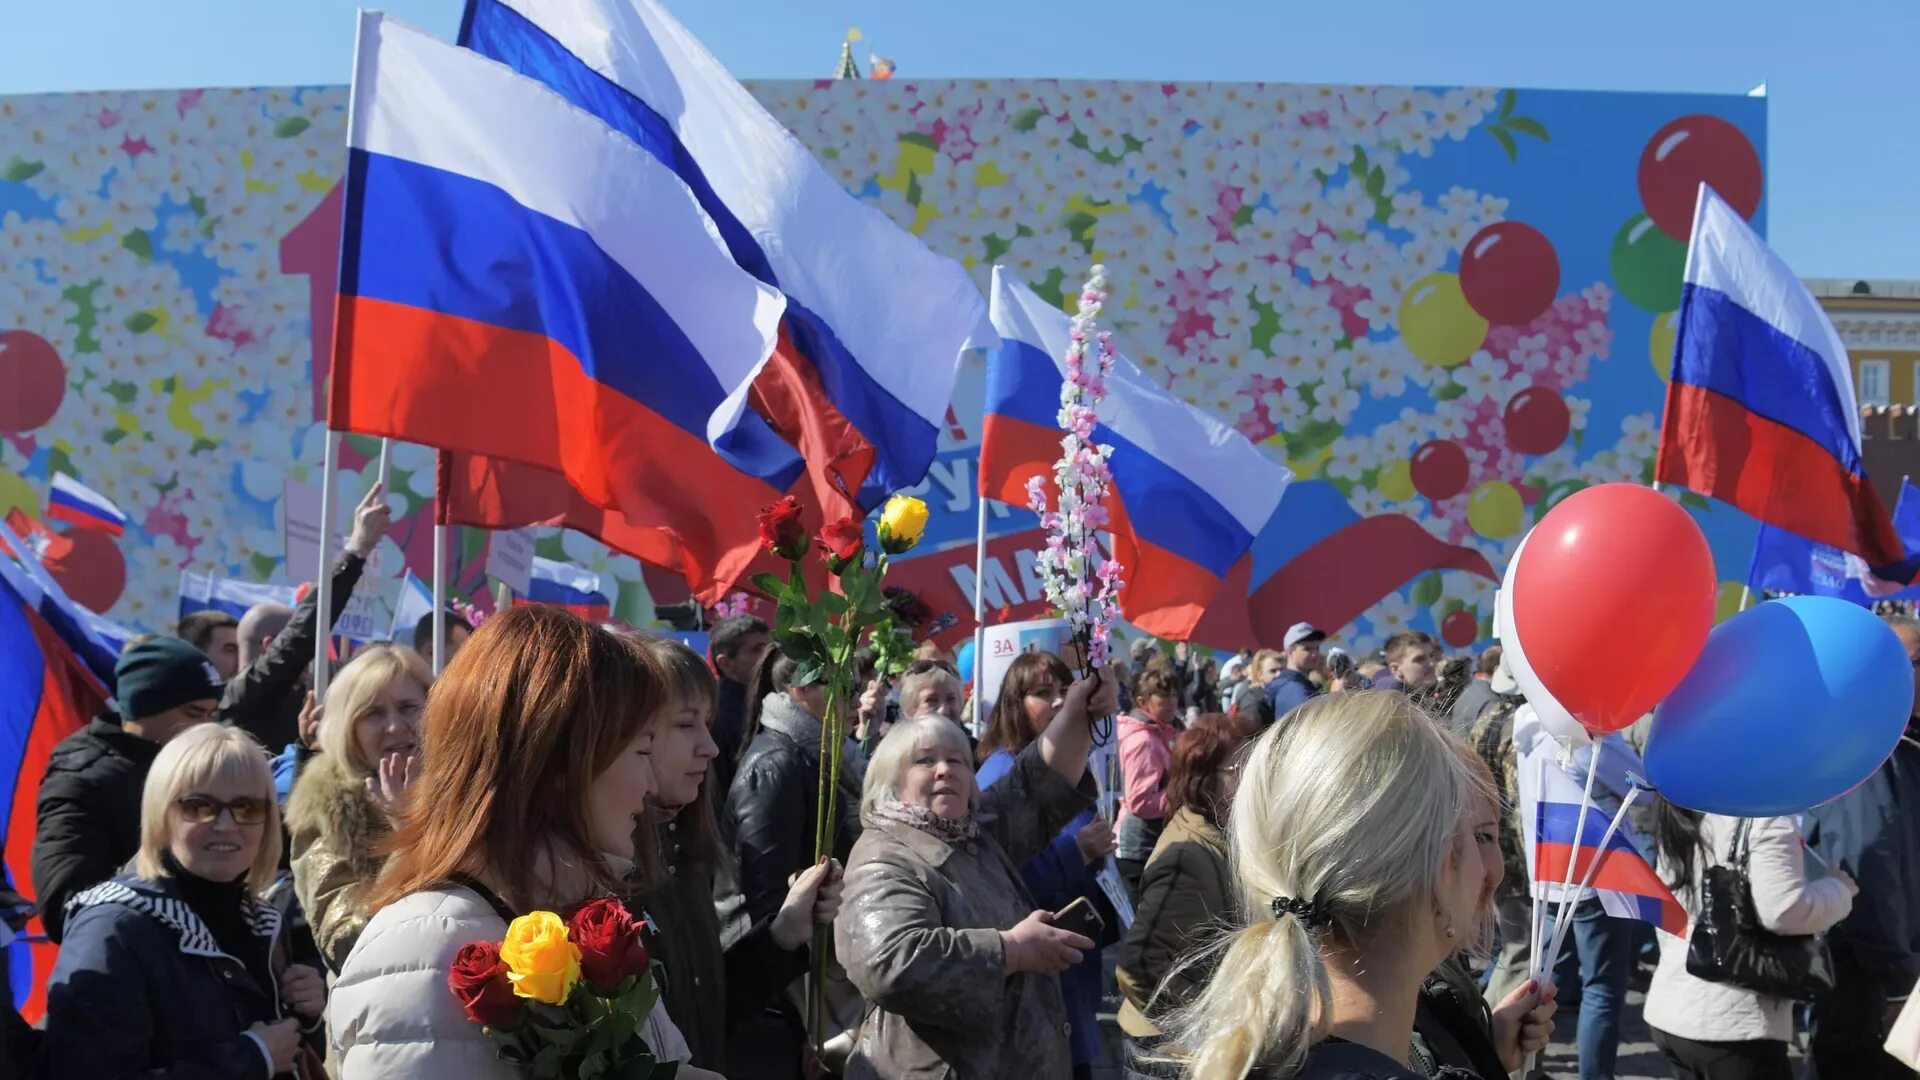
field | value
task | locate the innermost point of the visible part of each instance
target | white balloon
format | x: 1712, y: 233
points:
x: 1556, y: 719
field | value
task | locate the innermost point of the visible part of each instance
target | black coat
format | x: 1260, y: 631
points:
x: 141, y: 989
x: 88, y: 818
x: 265, y: 699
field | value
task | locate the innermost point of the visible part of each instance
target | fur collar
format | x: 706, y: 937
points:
x: 330, y: 798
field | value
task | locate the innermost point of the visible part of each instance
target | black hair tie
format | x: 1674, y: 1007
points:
x: 1310, y: 914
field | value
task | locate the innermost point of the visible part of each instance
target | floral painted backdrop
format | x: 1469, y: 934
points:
x: 1450, y: 305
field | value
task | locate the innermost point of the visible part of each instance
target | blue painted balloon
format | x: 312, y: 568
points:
x: 963, y: 660
x: 1790, y: 705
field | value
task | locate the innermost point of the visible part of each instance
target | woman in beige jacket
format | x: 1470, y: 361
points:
x: 337, y: 814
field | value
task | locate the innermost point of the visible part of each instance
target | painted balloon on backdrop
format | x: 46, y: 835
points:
x: 1791, y: 704
x: 1612, y: 599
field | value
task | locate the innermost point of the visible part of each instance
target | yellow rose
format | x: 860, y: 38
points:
x: 541, y: 963
x: 901, y: 524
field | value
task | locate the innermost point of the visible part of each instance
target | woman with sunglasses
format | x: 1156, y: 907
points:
x: 177, y: 970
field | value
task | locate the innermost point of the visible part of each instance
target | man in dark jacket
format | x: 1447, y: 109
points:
x: 277, y: 645
x: 738, y: 644
x: 1291, y: 688
x: 89, y: 804
x: 1873, y: 833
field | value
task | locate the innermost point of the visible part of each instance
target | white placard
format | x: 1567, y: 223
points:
x: 1116, y: 890
x: 510, y: 558
x: 1002, y: 643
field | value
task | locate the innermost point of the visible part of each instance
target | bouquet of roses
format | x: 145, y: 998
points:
x: 567, y: 997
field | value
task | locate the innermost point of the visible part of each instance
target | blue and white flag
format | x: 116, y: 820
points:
x: 1785, y: 562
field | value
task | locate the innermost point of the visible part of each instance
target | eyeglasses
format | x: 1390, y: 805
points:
x: 205, y: 810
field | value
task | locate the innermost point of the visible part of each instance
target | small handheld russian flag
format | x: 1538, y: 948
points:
x: 74, y: 502
x: 1624, y: 881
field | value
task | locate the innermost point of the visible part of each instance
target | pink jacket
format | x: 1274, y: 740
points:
x: 1146, y: 755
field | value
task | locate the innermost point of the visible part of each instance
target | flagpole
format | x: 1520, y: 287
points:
x: 386, y: 461
x: 323, y: 581
x: 979, y: 601
x: 443, y: 469
x: 1573, y: 860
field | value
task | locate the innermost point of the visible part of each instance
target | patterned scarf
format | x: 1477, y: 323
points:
x: 940, y: 828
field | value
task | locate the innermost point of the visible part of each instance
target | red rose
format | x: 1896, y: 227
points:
x: 781, y: 530
x: 841, y: 541
x: 479, y: 980
x: 609, y: 942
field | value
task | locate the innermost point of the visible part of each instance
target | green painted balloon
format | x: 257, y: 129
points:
x: 1648, y: 265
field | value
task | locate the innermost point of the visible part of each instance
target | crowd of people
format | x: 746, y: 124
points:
x: 1302, y: 863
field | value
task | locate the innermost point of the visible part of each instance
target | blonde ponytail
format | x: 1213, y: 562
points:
x: 1345, y: 811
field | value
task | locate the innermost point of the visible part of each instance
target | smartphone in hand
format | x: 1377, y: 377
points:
x: 1081, y: 918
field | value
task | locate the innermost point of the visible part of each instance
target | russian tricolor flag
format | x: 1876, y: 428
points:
x: 874, y: 321
x: 72, y: 501
x: 520, y: 281
x: 93, y: 638
x: 1189, y: 492
x: 1624, y: 881
x: 1761, y: 410
x: 205, y: 592
x: 567, y: 586
x: 415, y: 603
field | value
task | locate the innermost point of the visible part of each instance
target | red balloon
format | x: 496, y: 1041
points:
x: 32, y: 381
x: 1510, y: 273
x: 93, y: 573
x: 1613, y: 596
x: 1537, y: 421
x: 1439, y: 469
x: 1460, y: 629
x: 1688, y: 152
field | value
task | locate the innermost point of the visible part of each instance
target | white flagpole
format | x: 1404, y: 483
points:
x: 1573, y: 860
x: 979, y: 604
x: 386, y: 461
x: 439, y: 599
x: 323, y: 582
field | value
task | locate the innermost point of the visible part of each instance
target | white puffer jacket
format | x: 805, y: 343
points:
x: 1786, y: 902
x: 391, y: 1014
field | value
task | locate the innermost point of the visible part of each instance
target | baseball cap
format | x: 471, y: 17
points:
x: 1300, y: 632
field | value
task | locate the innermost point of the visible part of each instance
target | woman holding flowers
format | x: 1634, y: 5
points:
x: 939, y: 932
x: 538, y: 768
x: 337, y: 815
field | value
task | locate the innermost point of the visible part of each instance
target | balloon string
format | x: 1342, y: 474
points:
x: 1579, y: 829
x: 1593, y: 867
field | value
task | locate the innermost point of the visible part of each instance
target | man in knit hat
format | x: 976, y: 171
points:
x: 89, y: 805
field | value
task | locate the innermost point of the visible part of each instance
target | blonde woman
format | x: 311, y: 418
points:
x: 1354, y: 840
x: 174, y: 970
x: 338, y: 815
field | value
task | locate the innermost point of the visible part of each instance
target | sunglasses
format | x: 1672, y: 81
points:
x: 205, y: 810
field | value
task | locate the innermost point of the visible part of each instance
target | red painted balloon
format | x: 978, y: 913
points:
x: 94, y: 573
x: 1510, y: 273
x: 1460, y: 629
x: 32, y: 381
x: 1613, y: 596
x: 1439, y: 469
x: 1688, y: 152
x: 1537, y: 421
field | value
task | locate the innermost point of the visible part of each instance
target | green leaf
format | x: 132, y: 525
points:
x: 995, y: 247
x: 289, y: 126
x: 19, y: 169
x: 913, y: 189
x: 808, y: 672
x: 141, y: 321
x: 1027, y: 119
x: 915, y: 138
x: 832, y: 604
x: 1452, y: 605
x: 1427, y: 593
x: 1447, y: 391
x: 208, y: 224
x: 1527, y: 125
x: 1694, y: 502
x: 113, y: 436
x: 593, y: 1066
x: 771, y: 585
x: 122, y: 391
x: 201, y: 446
x: 262, y: 566
x: 1360, y: 162
x: 1506, y: 142
x: 139, y: 243
x: 1507, y: 98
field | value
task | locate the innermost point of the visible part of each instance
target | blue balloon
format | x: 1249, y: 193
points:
x: 963, y: 660
x: 1791, y: 704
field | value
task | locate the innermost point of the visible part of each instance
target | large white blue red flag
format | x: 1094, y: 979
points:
x: 518, y: 280
x: 72, y: 501
x: 568, y: 586
x: 1625, y: 882
x: 875, y: 322
x: 415, y: 604
x: 1761, y: 410
x: 206, y: 592
x: 1189, y: 492
x: 95, y: 639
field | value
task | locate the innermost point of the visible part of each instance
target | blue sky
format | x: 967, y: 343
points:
x: 1843, y: 122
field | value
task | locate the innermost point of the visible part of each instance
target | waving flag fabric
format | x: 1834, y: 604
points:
x: 1785, y: 563
x: 47, y: 692
x: 72, y: 501
x: 1625, y: 882
x: 205, y: 592
x: 1189, y: 492
x: 520, y: 281
x: 1761, y: 410
x: 415, y: 603
x: 93, y: 638
x: 875, y: 322
x: 568, y: 586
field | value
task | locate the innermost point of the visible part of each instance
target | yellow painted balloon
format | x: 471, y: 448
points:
x: 1438, y: 324
x: 16, y: 492
x: 1666, y: 327
x: 1726, y: 601
x: 1494, y: 509
x: 1396, y: 481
